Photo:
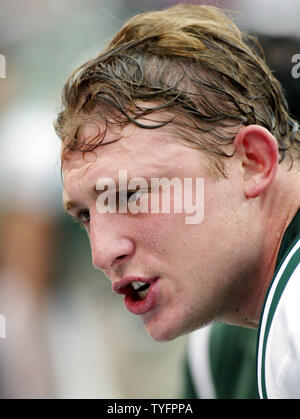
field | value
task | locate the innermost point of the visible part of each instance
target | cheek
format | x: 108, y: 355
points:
x: 158, y: 234
x: 221, y: 204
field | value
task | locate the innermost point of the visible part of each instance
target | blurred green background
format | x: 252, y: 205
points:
x: 67, y: 334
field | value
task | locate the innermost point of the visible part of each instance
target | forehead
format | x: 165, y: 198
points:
x: 141, y: 151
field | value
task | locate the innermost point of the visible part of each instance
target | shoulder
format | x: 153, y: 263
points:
x: 279, y: 336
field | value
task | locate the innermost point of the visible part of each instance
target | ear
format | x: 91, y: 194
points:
x: 258, y: 151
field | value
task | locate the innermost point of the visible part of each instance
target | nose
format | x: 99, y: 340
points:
x: 110, y: 248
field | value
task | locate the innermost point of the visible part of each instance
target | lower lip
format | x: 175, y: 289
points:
x: 145, y: 305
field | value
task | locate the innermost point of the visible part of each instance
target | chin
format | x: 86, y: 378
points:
x: 161, y: 334
x: 165, y: 330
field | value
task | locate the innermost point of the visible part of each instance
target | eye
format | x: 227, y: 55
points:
x: 84, y: 216
x: 133, y: 196
x: 129, y: 196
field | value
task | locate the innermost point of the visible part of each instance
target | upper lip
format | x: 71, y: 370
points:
x: 120, y: 286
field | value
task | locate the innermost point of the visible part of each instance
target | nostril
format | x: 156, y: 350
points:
x: 119, y: 259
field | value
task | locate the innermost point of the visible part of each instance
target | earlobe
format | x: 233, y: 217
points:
x: 259, y: 155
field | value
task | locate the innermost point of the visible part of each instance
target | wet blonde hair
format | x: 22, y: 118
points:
x: 191, y: 61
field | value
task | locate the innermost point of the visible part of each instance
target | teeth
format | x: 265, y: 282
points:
x: 137, y: 284
x: 143, y: 294
x: 141, y: 288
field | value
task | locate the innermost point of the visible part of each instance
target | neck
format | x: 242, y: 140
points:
x: 275, y: 212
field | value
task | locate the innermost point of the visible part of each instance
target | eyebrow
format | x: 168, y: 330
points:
x: 71, y: 204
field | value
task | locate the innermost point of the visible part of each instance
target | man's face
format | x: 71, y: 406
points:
x: 191, y: 270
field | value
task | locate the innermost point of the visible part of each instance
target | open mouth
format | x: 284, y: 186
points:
x: 139, y: 290
x: 139, y: 294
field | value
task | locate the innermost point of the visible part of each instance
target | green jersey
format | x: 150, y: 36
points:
x: 278, y: 351
x: 231, y: 362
